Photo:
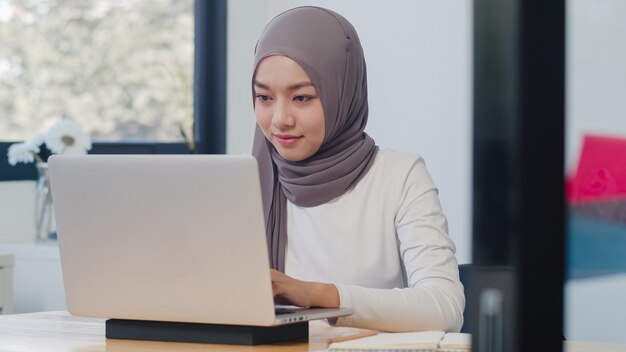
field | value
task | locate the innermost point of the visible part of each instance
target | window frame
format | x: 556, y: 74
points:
x: 209, y: 98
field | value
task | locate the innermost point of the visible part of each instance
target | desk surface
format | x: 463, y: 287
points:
x: 58, y: 331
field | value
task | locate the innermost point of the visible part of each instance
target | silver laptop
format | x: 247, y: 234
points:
x: 166, y: 238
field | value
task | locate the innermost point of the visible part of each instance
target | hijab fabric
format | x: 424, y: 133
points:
x: 327, y: 47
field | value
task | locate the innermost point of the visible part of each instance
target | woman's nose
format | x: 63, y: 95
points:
x: 283, y: 116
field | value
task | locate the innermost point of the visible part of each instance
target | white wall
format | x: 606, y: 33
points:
x: 17, y: 211
x: 419, y: 77
x: 246, y: 20
x: 595, y: 309
x: 596, y: 71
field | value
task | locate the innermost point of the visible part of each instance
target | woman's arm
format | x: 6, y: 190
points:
x: 433, y: 298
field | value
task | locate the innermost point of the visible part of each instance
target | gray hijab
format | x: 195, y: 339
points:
x: 327, y: 47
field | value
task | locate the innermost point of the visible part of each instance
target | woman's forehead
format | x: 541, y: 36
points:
x: 277, y: 68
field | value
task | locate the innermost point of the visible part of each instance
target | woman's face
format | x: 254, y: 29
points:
x: 287, y: 108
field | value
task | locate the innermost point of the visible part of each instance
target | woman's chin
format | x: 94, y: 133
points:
x: 293, y: 154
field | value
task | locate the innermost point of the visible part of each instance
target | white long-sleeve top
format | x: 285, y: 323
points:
x: 385, y: 246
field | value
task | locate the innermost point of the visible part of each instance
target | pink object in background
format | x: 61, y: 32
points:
x: 601, y: 173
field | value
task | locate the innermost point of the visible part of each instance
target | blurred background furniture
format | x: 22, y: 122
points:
x: 6, y: 283
x: 37, y: 282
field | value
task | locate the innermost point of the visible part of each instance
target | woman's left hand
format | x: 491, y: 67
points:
x: 288, y: 290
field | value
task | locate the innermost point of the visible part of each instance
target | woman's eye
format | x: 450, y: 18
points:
x: 262, y: 98
x: 302, y: 98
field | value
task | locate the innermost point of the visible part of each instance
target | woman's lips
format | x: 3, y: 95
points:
x: 286, y: 140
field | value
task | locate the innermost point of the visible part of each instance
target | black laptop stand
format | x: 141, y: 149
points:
x: 204, y: 333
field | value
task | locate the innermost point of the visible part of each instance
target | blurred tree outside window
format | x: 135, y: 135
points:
x: 122, y: 69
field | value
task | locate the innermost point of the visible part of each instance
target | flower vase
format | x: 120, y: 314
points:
x: 43, y: 203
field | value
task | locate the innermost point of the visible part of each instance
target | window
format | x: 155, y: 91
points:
x: 126, y: 71
x: 121, y: 69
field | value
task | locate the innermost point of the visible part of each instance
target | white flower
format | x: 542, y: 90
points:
x: 36, y: 140
x: 22, y: 153
x: 66, y: 137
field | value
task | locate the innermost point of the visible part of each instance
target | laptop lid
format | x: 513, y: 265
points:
x: 164, y: 237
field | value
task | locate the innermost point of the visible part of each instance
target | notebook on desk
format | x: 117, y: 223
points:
x: 425, y: 341
x: 166, y: 238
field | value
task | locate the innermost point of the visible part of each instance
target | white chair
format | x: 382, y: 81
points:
x: 6, y: 283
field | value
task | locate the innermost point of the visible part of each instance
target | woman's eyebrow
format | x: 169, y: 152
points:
x: 291, y: 87
x: 260, y: 85
x: 299, y: 85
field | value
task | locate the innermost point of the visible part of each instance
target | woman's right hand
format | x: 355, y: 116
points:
x: 288, y: 290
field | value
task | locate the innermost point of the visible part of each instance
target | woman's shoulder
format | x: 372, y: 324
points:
x: 402, y: 166
x: 389, y: 158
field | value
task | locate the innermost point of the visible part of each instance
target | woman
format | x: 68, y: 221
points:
x: 348, y: 225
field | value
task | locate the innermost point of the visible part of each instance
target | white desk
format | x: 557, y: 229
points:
x: 58, y: 331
